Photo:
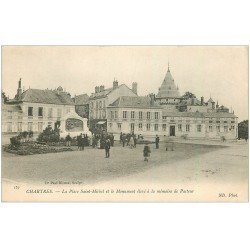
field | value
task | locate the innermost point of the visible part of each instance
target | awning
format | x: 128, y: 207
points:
x: 101, y: 122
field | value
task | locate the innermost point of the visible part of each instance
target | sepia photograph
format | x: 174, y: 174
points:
x: 124, y: 123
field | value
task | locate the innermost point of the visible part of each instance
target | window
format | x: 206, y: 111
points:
x: 132, y: 126
x: 30, y: 111
x: 50, y: 124
x: 100, y: 104
x: 19, y: 127
x: 132, y: 114
x: 156, y: 115
x: 116, y: 114
x: 119, y: 125
x: 30, y: 126
x: 40, y: 126
x: 124, y: 114
x: 210, y: 128
x: 9, y: 127
x: 232, y: 127
x: 179, y: 127
x: 172, y: 119
x: 40, y: 111
x: 59, y: 112
x: 218, y: 121
x: 140, y: 115
x: 198, y: 128
x: 187, y: 128
x: 148, y: 115
x: 140, y: 126
x: 50, y: 111
x: 225, y: 121
x: 225, y: 128
x: 156, y: 127
x: 164, y: 127
x: 148, y: 127
x: 218, y: 128
x: 112, y: 114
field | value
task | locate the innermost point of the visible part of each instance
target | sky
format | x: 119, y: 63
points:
x: 217, y: 71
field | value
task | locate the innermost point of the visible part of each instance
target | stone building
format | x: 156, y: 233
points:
x: 167, y: 113
x: 102, y: 98
x: 35, y: 109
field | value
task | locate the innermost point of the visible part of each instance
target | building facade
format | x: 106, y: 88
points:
x: 35, y: 109
x: 169, y: 114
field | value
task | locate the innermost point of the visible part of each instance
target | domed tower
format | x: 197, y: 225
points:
x: 168, y: 92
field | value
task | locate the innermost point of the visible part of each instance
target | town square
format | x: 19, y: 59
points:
x: 122, y: 135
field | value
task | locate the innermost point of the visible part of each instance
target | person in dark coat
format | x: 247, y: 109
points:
x: 135, y: 140
x: 68, y: 140
x: 107, y: 148
x: 112, y: 139
x: 146, y: 152
x: 157, y: 140
x: 78, y: 139
x: 82, y: 142
x: 123, y: 140
x: 121, y: 135
x: 128, y: 138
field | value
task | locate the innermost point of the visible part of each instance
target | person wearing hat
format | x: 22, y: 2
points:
x: 157, y: 140
x: 146, y: 152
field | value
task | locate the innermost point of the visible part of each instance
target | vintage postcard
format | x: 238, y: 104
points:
x: 124, y: 124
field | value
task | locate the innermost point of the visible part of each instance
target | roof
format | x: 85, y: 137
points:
x: 81, y: 99
x: 168, y: 87
x: 189, y: 102
x: 101, y: 94
x: 46, y: 96
x: 211, y: 100
x: 199, y: 114
x: 134, y: 102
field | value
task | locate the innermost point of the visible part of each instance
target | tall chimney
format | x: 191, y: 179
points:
x: 134, y: 87
x: 19, y: 90
x: 101, y: 88
x: 213, y: 105
x: 115, y: 84
x: 202, y: 101
x: 97, y: 89
x: 217, y: 105
x: 152, y: 99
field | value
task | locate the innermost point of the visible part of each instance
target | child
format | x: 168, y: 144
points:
x: 146, y: 152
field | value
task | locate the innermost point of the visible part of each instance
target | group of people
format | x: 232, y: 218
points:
x: 129, y: 139
x: 99, y: 140
x: 105, y: 141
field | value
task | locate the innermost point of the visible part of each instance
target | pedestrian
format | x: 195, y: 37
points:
x: 123, y: 140
x: 107, y: 148
x: 82, y: 142
x: 128, y: 139
x: 78, y: 139
x: 146, y: 152
x: 121, y: 135
x: 112, y: 138
x: 157, y: 140
x: 68, y: 140
x: 135, y: 141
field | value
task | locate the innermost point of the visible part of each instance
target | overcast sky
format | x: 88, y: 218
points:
x: 221, y: 71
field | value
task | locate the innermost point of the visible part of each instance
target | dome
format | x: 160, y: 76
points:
x: 60, y: 89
